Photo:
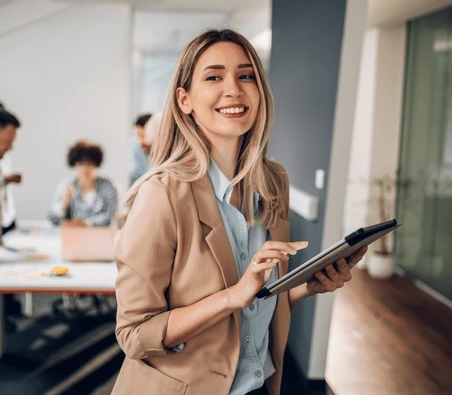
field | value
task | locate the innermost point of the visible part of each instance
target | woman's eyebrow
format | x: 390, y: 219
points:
x: 215, y: 67
x: 222, y: 67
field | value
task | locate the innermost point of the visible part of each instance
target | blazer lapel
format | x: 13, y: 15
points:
x: 217, y: 238
x: 281, y: 232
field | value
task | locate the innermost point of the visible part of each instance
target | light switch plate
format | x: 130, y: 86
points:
x: 319, y: 178
x: 304, y: 204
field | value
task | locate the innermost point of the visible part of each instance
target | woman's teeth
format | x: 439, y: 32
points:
x: 232, y: 110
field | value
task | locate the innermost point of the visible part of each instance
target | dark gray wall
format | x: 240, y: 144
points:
x: 304, y: 70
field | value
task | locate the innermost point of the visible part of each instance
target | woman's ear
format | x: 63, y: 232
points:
x: 183, y: 100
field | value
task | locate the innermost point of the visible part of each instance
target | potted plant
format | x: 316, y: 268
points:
x: 380, y: 259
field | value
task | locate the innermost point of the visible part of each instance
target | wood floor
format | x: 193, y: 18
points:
x: 389, y: 337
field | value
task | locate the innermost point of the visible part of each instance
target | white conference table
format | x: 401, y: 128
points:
x: 22, y: 272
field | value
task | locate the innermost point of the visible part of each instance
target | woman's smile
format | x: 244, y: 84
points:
x: 233, y: 111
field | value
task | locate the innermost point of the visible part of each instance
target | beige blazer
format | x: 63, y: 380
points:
x: 173, y: 251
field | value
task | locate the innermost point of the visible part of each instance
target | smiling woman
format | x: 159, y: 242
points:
x: 207, y: 228
x: 223, y: 98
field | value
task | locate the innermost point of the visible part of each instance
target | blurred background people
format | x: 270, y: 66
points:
x: 8, y: 131
x: 139, y: 149
x: 7, y: 178
x: 84, y: 199
x: 150, y: 130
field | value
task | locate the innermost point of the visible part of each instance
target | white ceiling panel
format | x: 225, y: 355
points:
x: 169, y: 31
x: 212, y: 5
x: 396, y: 12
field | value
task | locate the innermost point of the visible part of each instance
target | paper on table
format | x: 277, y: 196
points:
x: 8, y: 254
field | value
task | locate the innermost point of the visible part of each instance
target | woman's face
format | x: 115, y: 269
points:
x: 223, y: 98
x: 85, y: 169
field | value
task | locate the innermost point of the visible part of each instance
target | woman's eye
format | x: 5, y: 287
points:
x: 212, y: 78
x: 248, y: 77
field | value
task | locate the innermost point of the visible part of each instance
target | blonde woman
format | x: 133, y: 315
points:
x: 206, y: 230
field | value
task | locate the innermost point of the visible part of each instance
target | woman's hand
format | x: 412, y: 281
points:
x: 334, y: 278
x: 256, y: 275
x: 67, y: 197
x: 13, y: 178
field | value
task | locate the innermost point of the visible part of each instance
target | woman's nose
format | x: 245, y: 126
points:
x: 232, y: 88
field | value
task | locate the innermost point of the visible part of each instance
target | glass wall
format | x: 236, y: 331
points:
x: 424, y: 244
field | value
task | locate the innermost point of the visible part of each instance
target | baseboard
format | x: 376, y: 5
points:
x: 424, y: 287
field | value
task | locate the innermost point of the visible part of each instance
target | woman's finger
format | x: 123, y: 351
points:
x: 288, y: 248
x: 357, y: 256
x: 332, y: 274
x: 299, y: 245
x: 326, y: 282
x: 262, y: 255
x: 258, y: 268
x: 342, y: 266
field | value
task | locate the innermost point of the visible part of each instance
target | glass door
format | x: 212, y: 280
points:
x: 424, y: 204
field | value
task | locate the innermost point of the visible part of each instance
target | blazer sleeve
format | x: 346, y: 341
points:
x: 144, y: 256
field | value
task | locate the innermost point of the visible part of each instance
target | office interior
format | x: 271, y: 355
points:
x: 363, y: 126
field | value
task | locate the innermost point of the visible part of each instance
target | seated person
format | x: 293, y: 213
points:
x: 9, y: 125
x: 84, y: 199
x: 139, y: 150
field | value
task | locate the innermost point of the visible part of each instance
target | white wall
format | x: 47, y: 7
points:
x: 66, y: 76
x: 387, y: 115
x: 356, y: 204
x: 378, y: 118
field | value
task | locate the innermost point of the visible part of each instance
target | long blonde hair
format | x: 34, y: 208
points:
x: 181, y: 150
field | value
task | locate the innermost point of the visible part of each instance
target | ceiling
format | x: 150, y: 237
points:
x: 396, y: 12
x: 380, y: 12
x: 206, y: 5
x: 152, y: 32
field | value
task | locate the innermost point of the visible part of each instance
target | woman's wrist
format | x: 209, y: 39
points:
x: 299, y: 293
x: 232, y: 300
x: 309, y: 292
